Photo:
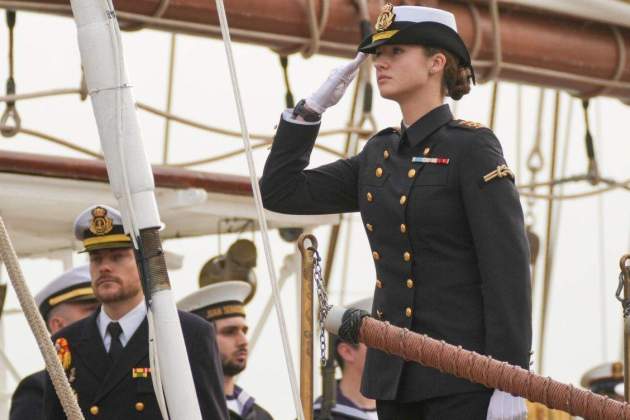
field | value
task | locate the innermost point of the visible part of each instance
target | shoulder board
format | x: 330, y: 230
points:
x: 470, y: 125
x: 387, y: 130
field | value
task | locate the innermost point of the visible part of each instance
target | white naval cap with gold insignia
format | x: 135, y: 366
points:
x: 101, y: 227
x: 421, y: 25
x: 217, y: 300
x: 72, y: 286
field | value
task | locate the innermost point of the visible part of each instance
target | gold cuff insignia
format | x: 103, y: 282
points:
x: 501, y: 172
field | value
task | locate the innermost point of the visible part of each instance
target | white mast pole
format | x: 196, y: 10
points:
x: 131, y: 179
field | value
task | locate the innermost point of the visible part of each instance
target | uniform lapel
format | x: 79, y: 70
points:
x: 91, y: 350
x: 136, y: 349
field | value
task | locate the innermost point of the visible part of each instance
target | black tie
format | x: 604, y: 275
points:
x: 115, y: 347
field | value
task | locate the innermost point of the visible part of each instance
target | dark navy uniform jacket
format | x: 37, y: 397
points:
x: 27, y: 402
x: 450, y: 250
x: 112, y: 391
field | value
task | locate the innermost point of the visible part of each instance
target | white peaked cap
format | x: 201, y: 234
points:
x: 216, y: 294
x: 73, y: 285
x: 419, y: 14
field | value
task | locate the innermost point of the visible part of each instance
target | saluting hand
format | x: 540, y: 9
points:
x: 334, y: 87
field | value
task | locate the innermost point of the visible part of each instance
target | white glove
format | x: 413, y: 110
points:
x: 504, y: 406
x: 333, y: 88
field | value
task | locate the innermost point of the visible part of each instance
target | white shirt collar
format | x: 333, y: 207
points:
x: 129, y: 324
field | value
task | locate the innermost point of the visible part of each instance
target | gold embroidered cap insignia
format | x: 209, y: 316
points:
x: 386, y: 18
x: 101, y: 224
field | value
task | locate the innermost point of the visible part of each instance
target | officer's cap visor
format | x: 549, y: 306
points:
x: 110, y: 245
x: 428, y: 34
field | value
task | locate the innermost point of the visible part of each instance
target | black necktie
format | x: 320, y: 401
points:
x: 115, y: 347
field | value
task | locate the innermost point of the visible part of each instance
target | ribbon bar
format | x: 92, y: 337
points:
x: 435, y: 160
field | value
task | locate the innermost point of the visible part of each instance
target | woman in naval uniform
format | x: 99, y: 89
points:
x: 440, y: 210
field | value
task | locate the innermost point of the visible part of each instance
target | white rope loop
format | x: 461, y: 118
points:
x: 259, y: 210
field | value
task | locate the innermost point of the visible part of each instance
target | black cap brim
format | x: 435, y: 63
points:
x: 428, y: 34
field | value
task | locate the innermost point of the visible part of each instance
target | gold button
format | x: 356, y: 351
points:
x: 386, y: 154
x: 376, y: 256
x: 407, y: 256
x: 408, y: 312
x: 403, y: 199
x: 369, y: 197
x: 139, y: 406
x: 379, y: 314
x: 379, y: 172
x: 411, y: 173
x: 369, y: 227
x: 94, y: 410
x: 403, y: 228
x: 409, y: 283
x: 379, y: 284
x: 427, y: 150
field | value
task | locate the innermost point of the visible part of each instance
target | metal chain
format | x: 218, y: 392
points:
x: 625, y: 303
x: 324, y: 306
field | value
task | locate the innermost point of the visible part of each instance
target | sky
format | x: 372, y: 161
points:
x: 585, y: 322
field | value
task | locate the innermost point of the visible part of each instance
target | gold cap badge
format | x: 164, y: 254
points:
x: 386, y: 18
x: 101, y: 224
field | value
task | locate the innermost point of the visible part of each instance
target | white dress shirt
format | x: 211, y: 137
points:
x: 129, y: 324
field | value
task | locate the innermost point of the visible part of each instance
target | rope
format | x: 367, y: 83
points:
x: 35, y: 321
x: 135, y: 26
x: 493, y: 105
x: 549, y: 251
x: 577, y: 195
x: 259, y: 210
x: 621, y: 63
x: 262, y: 37
x: 289, y: 102
x: 7, y: 363
x: 169, y: 97
x: 10, y: 113
x: 489, y: 372
x: 233, y: 133
x: 60, y: 142
x: 315, y: 30
x: 476, y: 18
x: 495, y: 70
x: 592, y: 170
x: 39, y: 94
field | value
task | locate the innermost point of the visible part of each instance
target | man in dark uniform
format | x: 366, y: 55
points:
x: 65, y: 300
x: 223, y: 305
x: 350, y: 404
x: 445, y: 225
x: 106, y: 356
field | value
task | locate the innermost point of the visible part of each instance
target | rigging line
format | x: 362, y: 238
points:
x: 549, y: 251
x: 601, y: 230
x: 10, y: 367
x: 169, y: 97
x: 60, y: 142
x: 577, y: 195
x: 40, y: 94
x: 497, y: 64
x: 259, y: 210
x: 237, y: 134
x: 519, y: 129
x: 493, y: 105
x: 257, y: 36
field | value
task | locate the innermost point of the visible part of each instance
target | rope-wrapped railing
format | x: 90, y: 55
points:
x: 356, y: 326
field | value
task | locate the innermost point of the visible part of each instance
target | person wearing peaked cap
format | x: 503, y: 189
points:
x: 66, y: 299
x: 350, y: 404
x: 106, y: 355
x: 605, y: 379
x: 223, y: 304
x: 440, y: 209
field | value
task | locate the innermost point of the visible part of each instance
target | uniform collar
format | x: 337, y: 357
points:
x: 417, y: 132
x: 129, y: 322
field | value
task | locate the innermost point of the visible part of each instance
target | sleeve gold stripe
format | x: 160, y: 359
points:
x: 84, y: 291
